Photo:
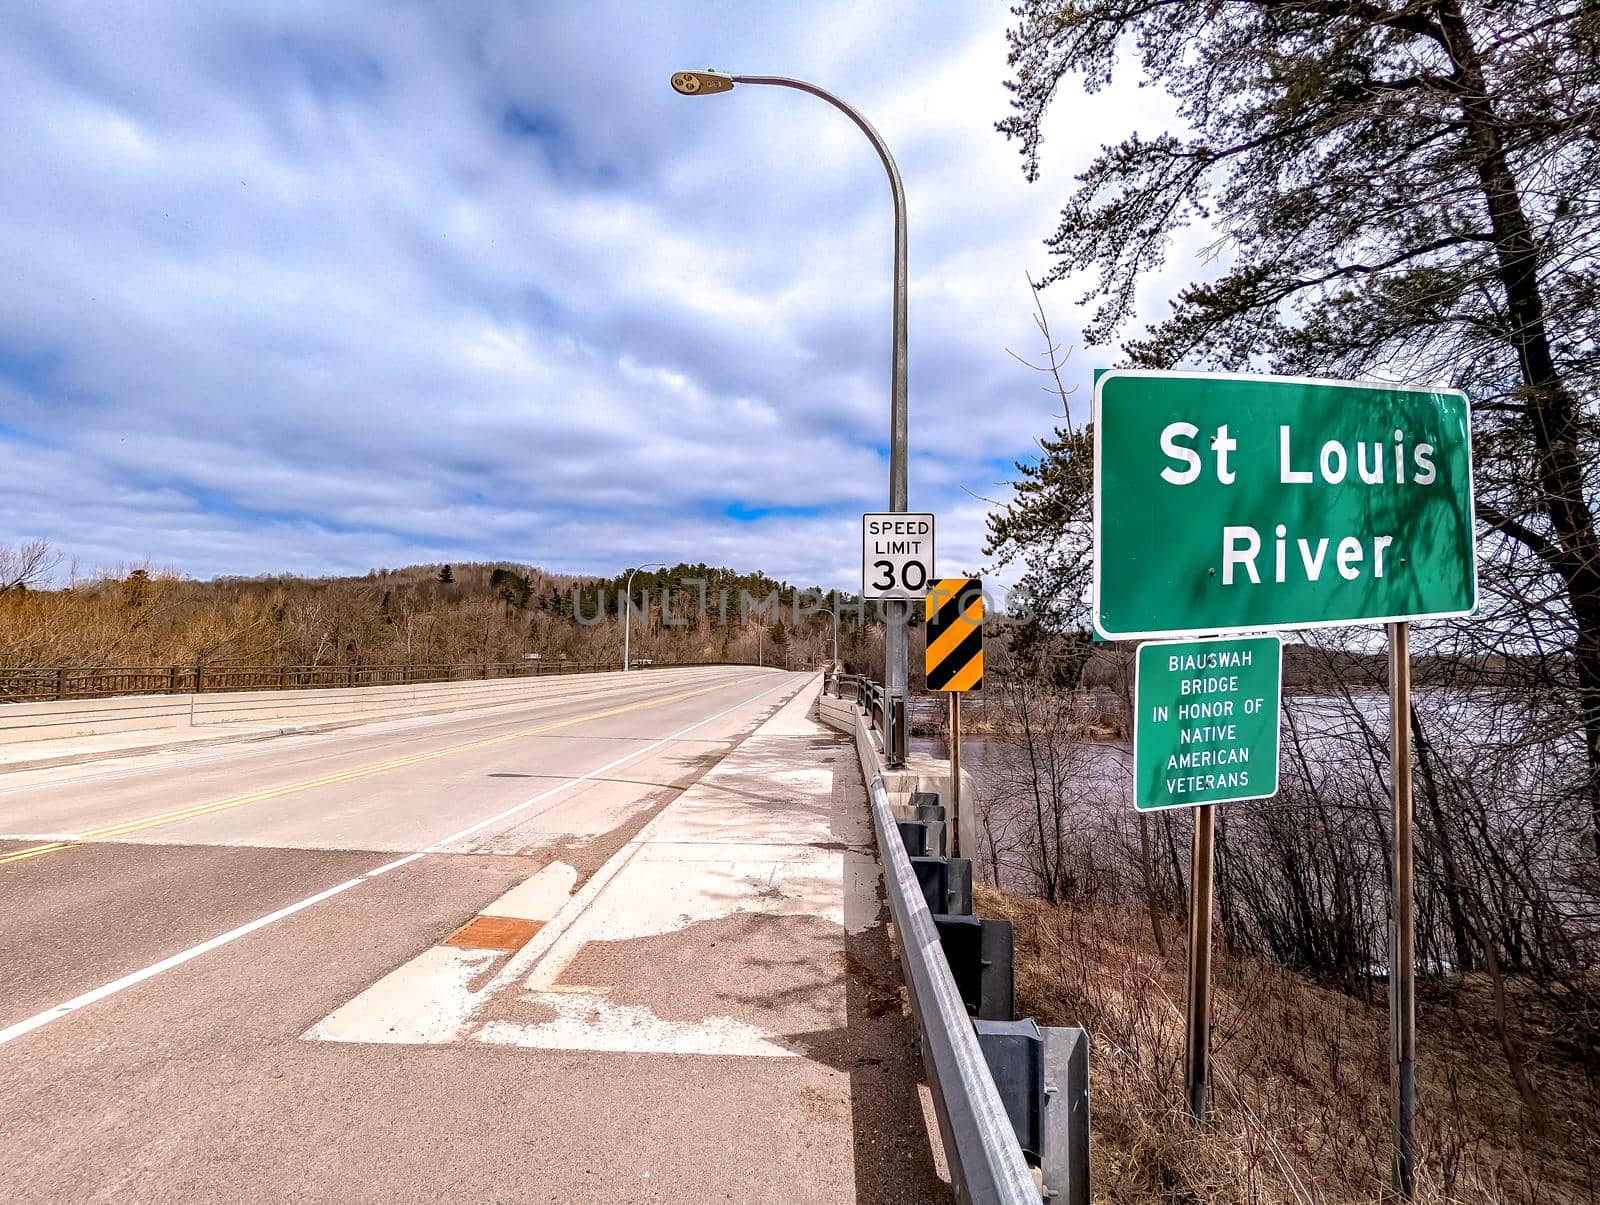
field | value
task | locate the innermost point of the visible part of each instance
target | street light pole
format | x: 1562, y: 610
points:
x: 896, y: 611
x: 627, y: 613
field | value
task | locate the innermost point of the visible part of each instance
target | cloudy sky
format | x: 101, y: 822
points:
x: 320, y: 287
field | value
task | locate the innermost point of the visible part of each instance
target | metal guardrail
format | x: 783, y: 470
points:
x: 866, y: 693
x: 986, y: 1162
x: 888, y: 720
x: 102, y: 681
x: 1011, y: 1097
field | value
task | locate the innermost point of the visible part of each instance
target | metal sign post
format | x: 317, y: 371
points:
x: 1206, y: 720
x: 953, y: 663
x: 1197, y: 1010
x: 1402, y: 953
x: 955, y: 774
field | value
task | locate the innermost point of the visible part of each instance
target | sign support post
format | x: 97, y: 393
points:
x: 953, y: 663
x: 1402, y: 949
x: 1197, y: 1011
x: 954, y: 826
x: 1245, y: 503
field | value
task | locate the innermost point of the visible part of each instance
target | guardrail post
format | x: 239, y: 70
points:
x: 914, y: 836
x: 1064, y: 1158
x: 946, y: 884
x: 979, y: 953
x: 61, y: 682
x: 199, y: 678
x: 172, y: 680
x: 925, y: 806
x: 894, y: 740
x: 1015, y: 1053
x: 922, y: 827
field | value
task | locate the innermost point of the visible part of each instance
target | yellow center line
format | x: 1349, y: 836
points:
x: 133, y: 826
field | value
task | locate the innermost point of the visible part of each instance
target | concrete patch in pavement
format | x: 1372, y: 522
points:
x: 588, y: 1021
x: 540, y: 898
x: 429, y: 999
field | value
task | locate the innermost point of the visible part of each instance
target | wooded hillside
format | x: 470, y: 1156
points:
x: 416, y: 615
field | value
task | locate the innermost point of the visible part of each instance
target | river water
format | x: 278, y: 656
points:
x: 1501, y: 754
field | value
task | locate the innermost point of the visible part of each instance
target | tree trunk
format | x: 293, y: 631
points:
x: 1452, y: 878
x: 1150, y: 899
x: 1551, y: 409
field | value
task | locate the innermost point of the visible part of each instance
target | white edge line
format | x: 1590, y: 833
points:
x: 67, y: 1008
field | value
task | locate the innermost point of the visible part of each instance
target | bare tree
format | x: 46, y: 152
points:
x: 27, y: 566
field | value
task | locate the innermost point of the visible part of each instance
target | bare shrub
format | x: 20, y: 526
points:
x: 1301, y: 1107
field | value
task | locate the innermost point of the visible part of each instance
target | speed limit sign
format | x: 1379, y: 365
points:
x: 896, y: 555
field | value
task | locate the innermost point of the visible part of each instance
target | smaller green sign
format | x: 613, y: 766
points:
x: 1205, y: 721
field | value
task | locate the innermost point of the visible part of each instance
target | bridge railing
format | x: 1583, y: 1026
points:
x: 25, y: 685
x: 888, y: 718
x: 867, y: 694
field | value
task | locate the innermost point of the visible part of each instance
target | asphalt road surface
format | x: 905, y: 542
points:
x: 175, y: 927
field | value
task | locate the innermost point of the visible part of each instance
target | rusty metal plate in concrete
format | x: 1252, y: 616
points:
x: 494, y: 933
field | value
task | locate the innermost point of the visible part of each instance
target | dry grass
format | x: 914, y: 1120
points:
x: 1301, y: 1074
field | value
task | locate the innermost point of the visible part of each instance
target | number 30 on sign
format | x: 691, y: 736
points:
x: 896, y: 555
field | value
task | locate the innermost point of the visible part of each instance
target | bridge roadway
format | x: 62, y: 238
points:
x: 622, y: 945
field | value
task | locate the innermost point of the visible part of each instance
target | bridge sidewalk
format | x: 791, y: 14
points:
x: 730, y: 969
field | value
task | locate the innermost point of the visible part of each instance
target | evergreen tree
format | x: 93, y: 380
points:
x: 1404, y: 189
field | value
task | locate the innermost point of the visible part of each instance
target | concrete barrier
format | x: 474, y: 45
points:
x: 27, y: 722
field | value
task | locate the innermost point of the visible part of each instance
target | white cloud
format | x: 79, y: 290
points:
x: 316, y: 289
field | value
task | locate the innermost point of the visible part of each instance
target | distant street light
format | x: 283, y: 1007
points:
x: 709, y: 83
x: 627, y: 611
x: 833, y: 614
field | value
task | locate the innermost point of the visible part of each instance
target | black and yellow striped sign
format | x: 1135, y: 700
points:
x: 955, y: 634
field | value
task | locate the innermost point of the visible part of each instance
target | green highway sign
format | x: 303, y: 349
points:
x: 1205, y: 721
x: 1234, y: 503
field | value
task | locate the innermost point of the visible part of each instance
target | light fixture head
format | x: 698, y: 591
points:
x: 701, y: 83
